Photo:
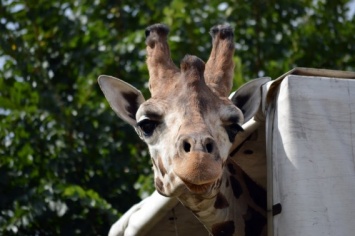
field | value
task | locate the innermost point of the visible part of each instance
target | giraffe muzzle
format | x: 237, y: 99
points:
x: 198, y: 170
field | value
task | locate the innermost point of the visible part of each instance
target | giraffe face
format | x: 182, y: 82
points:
x: 188, y: 123
x: 189, y: 131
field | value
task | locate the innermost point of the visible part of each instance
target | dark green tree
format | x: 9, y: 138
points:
x: 68, y: 165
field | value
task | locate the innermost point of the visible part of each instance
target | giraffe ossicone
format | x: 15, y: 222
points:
x: 189, y: 125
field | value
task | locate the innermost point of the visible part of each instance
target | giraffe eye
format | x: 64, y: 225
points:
x: 148, y: 126
x: 232, y: 130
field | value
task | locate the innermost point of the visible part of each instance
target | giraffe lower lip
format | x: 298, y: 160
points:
x: 198, y: 188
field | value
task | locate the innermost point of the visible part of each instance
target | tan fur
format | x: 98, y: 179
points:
x: 220, y: 66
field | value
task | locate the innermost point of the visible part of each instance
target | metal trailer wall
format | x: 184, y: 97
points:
x: 313, y: 156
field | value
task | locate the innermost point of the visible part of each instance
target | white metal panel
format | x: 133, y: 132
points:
x: 142, y: 217
x: 313, y: 156
x: 178, y: 221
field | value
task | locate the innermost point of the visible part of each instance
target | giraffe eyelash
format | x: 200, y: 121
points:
x: 147, y: 127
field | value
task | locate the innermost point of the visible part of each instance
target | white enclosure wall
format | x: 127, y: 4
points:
x: 313, y: 156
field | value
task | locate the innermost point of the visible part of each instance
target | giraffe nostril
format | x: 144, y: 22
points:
x: 209, y: 147
x: 187, y: 146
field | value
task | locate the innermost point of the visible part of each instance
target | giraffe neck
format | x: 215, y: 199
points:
x: 236, y: 205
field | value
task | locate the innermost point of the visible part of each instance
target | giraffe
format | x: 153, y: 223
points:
x: 189, y: 125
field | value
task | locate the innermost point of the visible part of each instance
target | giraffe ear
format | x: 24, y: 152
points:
x: 248, y: 97
x: 123, y: 98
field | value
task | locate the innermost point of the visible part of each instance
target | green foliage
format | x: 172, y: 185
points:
x: 68, y: 165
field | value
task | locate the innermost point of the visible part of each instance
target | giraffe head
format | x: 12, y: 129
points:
x: 189, y: 123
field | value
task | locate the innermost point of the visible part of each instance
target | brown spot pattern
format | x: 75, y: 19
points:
x: 254, y: 222
x: 226, y: 228
x: 257, y: 193
x: 154, y: 164
x: 161, y: 166
x: 236, y: 187
x: 248, y: 152
x: 221, y: 201
x: 231, y: 169
x: 159, y: 185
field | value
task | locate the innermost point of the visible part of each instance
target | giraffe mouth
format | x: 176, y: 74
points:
x: 198, y: 188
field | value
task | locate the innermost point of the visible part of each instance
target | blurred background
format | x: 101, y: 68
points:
x: 68, y: 165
